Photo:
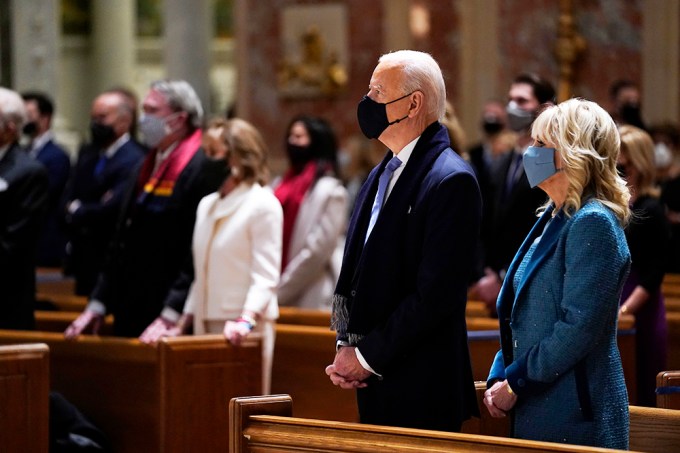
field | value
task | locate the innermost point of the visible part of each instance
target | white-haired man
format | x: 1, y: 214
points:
x: 148, y: 271
x: 23, y: 204
x: 399, y: 307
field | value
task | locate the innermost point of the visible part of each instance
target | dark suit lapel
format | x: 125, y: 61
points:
x: 431, y: 144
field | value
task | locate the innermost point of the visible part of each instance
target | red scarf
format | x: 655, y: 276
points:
x: 162, y: 181
x: 290, y: 193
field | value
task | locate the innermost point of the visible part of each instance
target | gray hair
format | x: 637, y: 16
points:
x: 182, y: 98
x: 421, y: 73
x: 12, y: 109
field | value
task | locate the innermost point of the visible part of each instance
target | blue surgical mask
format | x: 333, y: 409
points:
x: 539, y: 164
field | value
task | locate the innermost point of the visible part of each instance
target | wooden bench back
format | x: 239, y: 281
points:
x: 673, y: 323
x: 668, y: 390
x: 24, y: 398
x: 169, y: 398
x: 654, y: 430
x: 264, y: 424
x: 302, y: 353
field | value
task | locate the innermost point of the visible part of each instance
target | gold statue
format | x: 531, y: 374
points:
x: 315, y: 73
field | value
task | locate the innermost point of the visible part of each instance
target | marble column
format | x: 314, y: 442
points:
x: 661, y: 61
x: 396, y: 29
x: 35, y: 45
x: 113, y: 43
x: 188, y: 33
x: 479, y: 62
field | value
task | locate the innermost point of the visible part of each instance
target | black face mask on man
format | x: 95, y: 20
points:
x: 630, y: 114
x: 372, y: 116
x: 102, y: 134
x: 491, y: 125
x: 30, y: 128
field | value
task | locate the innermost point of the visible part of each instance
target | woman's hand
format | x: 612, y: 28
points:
x: 236, y: 331
x: 499, y: 399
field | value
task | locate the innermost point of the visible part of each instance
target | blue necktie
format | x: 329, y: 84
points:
x: 383, y: 182
x: 99, y: 168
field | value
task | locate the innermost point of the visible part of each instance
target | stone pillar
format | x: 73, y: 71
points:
x: 113, y: 43
x: 397, y: 30
x: 35, y: 45
x: 241, y: 35
x: 479, y: 62
x: 188, y: 33
x: 660, y: 61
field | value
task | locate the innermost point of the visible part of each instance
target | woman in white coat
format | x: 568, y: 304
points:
x: 237, y: 245
x: 315, y: 210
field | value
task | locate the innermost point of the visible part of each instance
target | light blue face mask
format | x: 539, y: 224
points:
x: 539, y: 164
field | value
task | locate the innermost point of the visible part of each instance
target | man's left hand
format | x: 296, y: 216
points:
x: 158, y: 329
x: 346, y: 371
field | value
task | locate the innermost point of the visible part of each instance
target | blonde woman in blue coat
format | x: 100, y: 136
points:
x: 559, y: 371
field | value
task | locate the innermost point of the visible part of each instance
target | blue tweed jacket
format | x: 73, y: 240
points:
x: 558, y: 331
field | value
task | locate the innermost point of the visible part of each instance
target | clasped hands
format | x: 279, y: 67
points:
x: 346, y: 371
x: 499, y: 400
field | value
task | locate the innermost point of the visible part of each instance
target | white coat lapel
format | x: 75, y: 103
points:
x: 224, y: 207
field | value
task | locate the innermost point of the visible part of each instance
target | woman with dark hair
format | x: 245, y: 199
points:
x: 314, y: 205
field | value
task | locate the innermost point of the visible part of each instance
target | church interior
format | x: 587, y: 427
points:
x: 269, y: 61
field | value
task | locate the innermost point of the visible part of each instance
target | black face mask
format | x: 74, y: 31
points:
x: 298, y: 155
x: 630, y: 114
x: 372, y: 116
x: 102, y: 134
x: 491, y: 126
x: 622, y: 170
x: 30, y: 128
x: 216, y: 170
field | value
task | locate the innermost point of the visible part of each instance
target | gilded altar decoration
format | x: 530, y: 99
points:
x: 570, y: 45
x: 312, y: 64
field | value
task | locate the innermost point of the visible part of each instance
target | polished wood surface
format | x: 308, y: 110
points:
x: 24, y: 398
x: 168, y: 398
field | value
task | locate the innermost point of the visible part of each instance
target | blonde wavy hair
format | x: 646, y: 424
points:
x: 588, y: 142
x: 638, y: 147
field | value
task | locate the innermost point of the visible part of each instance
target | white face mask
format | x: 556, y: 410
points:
x: 662, y: 155
x: 153, y: 129
x: 518, y: 119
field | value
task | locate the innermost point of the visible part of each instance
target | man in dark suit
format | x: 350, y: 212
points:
x: 399, y: 307
x: 148, y: 271
x: 42, y: 147
x: 23, y: 200
x: 513, y: 202
x: 96, y: 190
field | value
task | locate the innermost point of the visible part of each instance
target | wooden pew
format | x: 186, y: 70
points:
x: 307, y: 317
x: 654, y: 430
x: 264, y: 424
x: 58, y: 321
x: 672, y: 303
x: 668, y: 390
x: 301, y: 354
x: 60, y: 302
x: 169, y: 398
x: 24, y: 398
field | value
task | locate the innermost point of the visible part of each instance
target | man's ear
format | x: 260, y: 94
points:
x: 417, y: 101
